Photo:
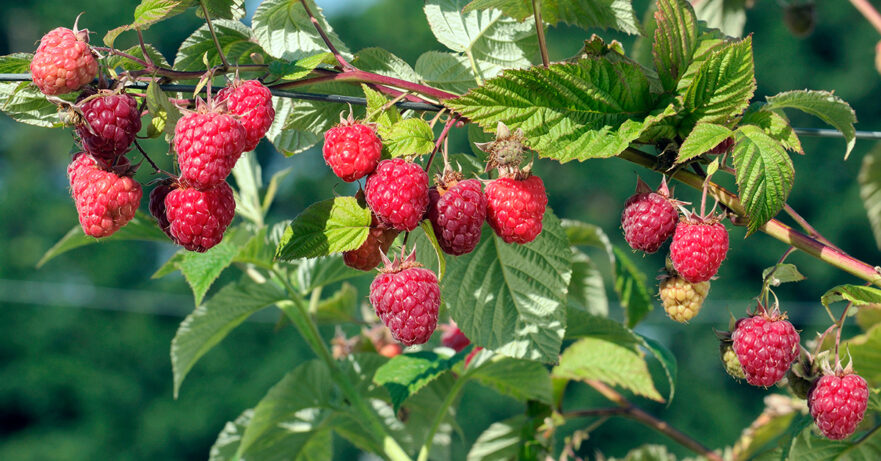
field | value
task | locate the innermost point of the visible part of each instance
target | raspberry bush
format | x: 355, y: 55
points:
x: 464, y: 239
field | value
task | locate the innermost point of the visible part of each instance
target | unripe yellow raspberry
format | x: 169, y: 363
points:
x: 682, y: 299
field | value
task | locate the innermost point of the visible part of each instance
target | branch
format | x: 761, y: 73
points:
x: 339, y: 57
x: 540, y: 32
x: 214, y: 36
x: 631, y: 411
x: 774, y: 228
x: 360, y: 76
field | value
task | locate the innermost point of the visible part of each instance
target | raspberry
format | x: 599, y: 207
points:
x: 838, y: 404
x: 470, y: 356
x: 252, y: 102
x: 453, y: 337
x: 63, y: 62
x: 698, y: 248
x: 368, y: 255
x: 398, y: 193
x: 766, y: 347
x: 649, y: 218
x: 105, y: 201
x: 208, y: 144
x: 157, y: 205
x: 730, y: 361
x: 111, y: 123
x: 515, y: 208
x: 198, y: 218
x: 407, y: 299
x: 682, y: 300
x: 457, y: 214
x: 351, y: 150
x: 390, y: 350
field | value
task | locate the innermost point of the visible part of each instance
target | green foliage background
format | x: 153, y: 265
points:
x: 84, y: 367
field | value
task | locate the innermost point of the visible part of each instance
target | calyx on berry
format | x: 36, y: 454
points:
x: 506, y: 151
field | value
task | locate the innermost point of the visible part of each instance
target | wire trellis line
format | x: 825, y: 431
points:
x: 409, y: 105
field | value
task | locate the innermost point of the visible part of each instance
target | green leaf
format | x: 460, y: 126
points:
x: 409, y: 137
x: 870, y: 190
x: 809, y: 447
x: 428, y: 231
x: 223, y: 9
x: 703, y: 137
x: 729, y: 16
x: 783, y: 273
x: 139, y: 228
x: 16, y: 63
x: 490, y: 40
x: 405, y: 374
x: 648, y: 453
x: 631, y: 288
x: 114, y: 61
x: 285, y: 31
x: 150, y: 12
x: 764, y: 174
x: 329, y: 226
x: 288, y: 141
x: 202, y: 269
x: 582, y: 233
x: 618, y: 364
x: 214, y: 319
x: 24, y: 103
x: 823, y: 105
x: 300, y: 403
x: 319, y: 272
x: 587, y: 291
x: 676, y: 38
x: 235, y: 40
x: 383, y: 62
x: 302, y: 67
x: 384, y: 119
x: 339, y: 307
x: 859, y: 295
x: 446, y: 71
x: 500, y: 441
x: 161, y: 108
x: 592, y: 108
x: 317, y: 116
x: 723, y: 85
x: 587, y: 14
x: 666, y: 358
x: 865, y: 350
x: 511, y: 298
x: 521, y: 379
x: 227, y: 443
x: 775, y: 125
x: 278, y: 444
x: 249, y: 180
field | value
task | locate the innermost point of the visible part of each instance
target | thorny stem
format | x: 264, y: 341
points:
x: 774, y: 228
x: 869, y: 12
x: 634, y: 412
x: 214, y: 36
x: 150, y: 161
x: 124, y: 55
x: 360, y: 76
x: 540, y: 32
x: 147, y: 58
x: 339, y: 57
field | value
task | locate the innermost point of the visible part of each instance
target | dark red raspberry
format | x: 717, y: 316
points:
x: 157, y: 205
x: 766, y: 347
x: 515, y: 208
x: 397, y: 192
x: 649, y: 218
x: 63, y: 62
x: 105, y: 201
x: 252, y: 102
x: 838, y: 404
x: 110, y: 125
x: 199, y: 217
x: 368, y: 256
x: 453, y: 337
x: 208, y: 145
x: 698, y: 249
x: 457, y: 211
x: 406, y: 299
x: 351, y: 150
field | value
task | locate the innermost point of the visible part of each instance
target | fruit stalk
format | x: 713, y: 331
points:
x: 214, y: 36
x: 540, y: 33
x: 774, y: 228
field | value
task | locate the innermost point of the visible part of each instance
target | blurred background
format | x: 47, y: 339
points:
x: 84, y: 341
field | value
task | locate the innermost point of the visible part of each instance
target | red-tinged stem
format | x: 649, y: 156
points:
x: 360, y: 76
x: 822, y: 339
x: 214, y: 36
x: 147, y: 58
x: 869, y: 12
x: 440, y: 140
x: 838, y: 335
x: 636, y: 413
x: 540, y: 32
x: 774, y: 228
x: 339, y: 57
x: 121, y: 54
x: 807, y: 226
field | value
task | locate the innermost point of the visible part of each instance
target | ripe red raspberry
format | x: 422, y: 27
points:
x: 110, y: 125
x: 698, y: 248
x: 368, y: 256
x: 838, y: 404
x: 198, y: 218
x: 105, y: 201
x: 63, y: 62
x: 157, y: 205
x: 397, y: 192
x: 515, y: 208
x: 649, y: 218
x: 252, y: 102
x: 453, y: 337
x: 457, y: 211
x: 208, y: 144
x: 352, y: 150
x: 766, y: 347
x: 407, y: 299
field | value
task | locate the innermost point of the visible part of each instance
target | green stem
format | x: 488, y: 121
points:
x: 478, y: 77
x: 439, y: 417
x: 540, y: 32
x: 301, y: 319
